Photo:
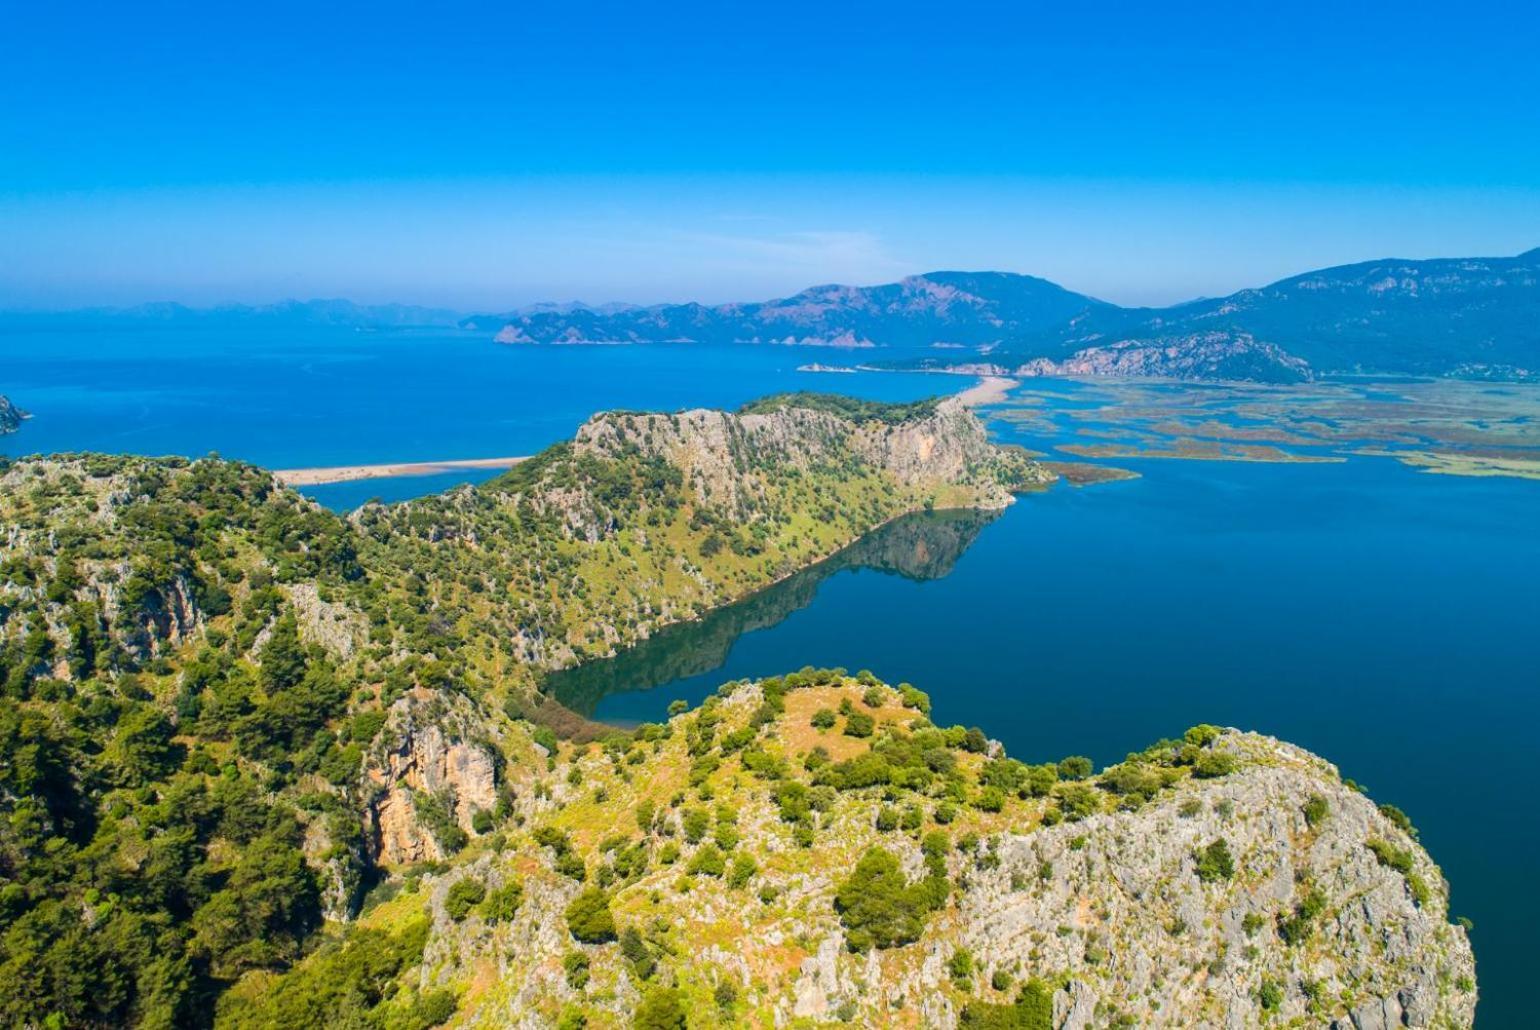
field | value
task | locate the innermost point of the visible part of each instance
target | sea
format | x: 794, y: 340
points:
x: 1384, y: 618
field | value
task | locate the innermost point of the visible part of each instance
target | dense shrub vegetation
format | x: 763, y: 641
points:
x: 203, y: 681
x: 852, y: 408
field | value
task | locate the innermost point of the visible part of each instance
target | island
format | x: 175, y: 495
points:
x: 11, y: 417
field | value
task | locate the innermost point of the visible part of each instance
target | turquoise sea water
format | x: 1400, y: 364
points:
x: 1385, y: 618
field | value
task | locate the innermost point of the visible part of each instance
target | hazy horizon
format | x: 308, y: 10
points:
x: 601, y: 302
x: 485, y: 160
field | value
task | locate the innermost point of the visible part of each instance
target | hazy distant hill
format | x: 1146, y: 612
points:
x: 1477, y: 316
x: 1459, y: 316
x: 288, y: 312
x: 967, y: 308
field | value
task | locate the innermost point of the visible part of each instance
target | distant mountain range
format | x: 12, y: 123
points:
x: 1470, y: 317
x: 1475, y: 317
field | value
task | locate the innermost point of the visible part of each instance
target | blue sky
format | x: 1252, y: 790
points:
x: 483, y: 156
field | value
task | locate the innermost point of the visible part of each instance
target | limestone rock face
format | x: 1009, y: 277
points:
x: 716, y: 448
x: 1116, y: 903
x: 425, y: 758
x: 1124, y: 917
x: 166, y: 618
x: 1216, y: 354
x: 337, y: 629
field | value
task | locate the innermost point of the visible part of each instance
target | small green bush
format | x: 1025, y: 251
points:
x: 462, y: 896
x: 859, y: 724
x: 877, y: 906
x: 708, y: 861
x: 742, y: 871
x: 1213, y: 764
x: 1215, y: 862
x: 661, y: 1009
x: 1075, y: 767
x: 589, y: 918
x: 503, y: 903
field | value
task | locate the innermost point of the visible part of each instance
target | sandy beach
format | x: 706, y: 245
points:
x: 349, y: 473
x: 989, y: 390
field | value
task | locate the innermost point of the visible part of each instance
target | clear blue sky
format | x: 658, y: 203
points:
x: 483, y: 156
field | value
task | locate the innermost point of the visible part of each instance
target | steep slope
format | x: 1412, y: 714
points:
x: 811, y: 847
x: 226, y: 709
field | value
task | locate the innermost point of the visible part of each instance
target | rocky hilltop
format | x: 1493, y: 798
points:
x: 10, y: 416
x: 812, y: 849
x: 1474, y: 317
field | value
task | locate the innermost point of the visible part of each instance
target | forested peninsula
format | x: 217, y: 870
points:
x: 265, y: 765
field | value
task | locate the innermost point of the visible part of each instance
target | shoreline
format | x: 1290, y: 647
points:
x: 353, y: 473
x: 989, y: 390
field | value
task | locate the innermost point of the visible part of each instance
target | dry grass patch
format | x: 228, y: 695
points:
x: 799, y: 736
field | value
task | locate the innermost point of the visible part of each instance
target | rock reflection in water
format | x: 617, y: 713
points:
x: 922, y: 546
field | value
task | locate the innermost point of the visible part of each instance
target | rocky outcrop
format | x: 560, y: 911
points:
x: 425, y: 775
x: 11, y: 416
x: 1244, y: 885
x: 1147, y: 933
x: 1206, y: 355
x: 161, y: 618
x: 337, y: 629
x: 718, y: 451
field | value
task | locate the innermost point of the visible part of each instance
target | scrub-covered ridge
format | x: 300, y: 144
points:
x: 812, y: 848
x: 227, y: 710
x: 263, y: 765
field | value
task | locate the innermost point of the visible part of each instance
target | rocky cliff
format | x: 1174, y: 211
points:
x: 10, y: 416
x: 647, y: 520
x: 717, y: 451
x: 769, y: 859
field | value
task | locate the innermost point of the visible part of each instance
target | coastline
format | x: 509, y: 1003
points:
x: 352, y: 473
x: 989, y: 390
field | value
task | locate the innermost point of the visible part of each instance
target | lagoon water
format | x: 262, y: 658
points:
x: 1387, y: 619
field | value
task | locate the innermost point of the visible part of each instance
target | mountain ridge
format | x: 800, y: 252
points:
x: 1475, y: 316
